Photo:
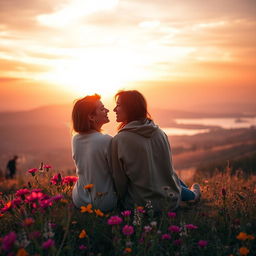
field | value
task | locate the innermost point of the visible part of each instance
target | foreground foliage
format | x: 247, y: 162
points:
x: 38, y: 218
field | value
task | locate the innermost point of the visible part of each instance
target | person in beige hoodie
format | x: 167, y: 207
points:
x: 141, y: 158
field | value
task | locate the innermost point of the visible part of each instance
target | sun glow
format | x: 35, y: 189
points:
x: 102, y: 71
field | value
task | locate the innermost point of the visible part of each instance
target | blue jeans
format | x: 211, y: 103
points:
x: 186, y: 193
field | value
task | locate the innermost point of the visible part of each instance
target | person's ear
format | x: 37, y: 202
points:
x: 91, y: 117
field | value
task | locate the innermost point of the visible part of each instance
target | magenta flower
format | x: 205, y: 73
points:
x: 34, y: 196
x: 33, y: 171
x: 47, y: 167
x: 114, y: 220
x: 16, y: 202
x: 128, y: 230
x: 8, y: 241
x: 69, y: 180
x: 6, y: 207
x: 22, y: 192
x: 126, y: 213
x: 166, y: 237
x: 45, y: 203
x: 47, y: 244
x: 191, y: 226
x: 57, y: 197
x: 174, y: 229
x: 171, y: 214
x: 177, y: 242
x: 82, y: 247
x: 56, y: 179
x: 36, y: 190
x: 202, y: 243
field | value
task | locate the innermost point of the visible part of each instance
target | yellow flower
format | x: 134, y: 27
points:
x: 250, y: 237
x: 89, y: 186
x: 22, y: 252
x: 82, y: 234
x: 128, y: 250
x: 242, y: 236
x: 87, y: 208
x: 243, y: 251
x: 99, y: 213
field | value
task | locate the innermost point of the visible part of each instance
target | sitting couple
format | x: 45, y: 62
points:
x: 135, y: 166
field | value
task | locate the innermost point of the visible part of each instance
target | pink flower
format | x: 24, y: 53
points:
x: 8, y: 241
x: 166, y: 237
x: 57, y: 197
x: 47, y: 167
x: 22, y: 192
x: 177, y: 242
x: 69, y: 180
x: 126, y: 213
x: 128, y: 230
x: 56, y: 179
x: 114, y: 220
x: 33, y: 171
x: 34, y: 196
x: 171, y: 214
x: 174, y: 229
x: 47, y: 244
x: 191, y: 226
x: 7, y: 207
x: 45, y: 203
x: 82, y: 247
x: 147, y: 229
x: 36, y: 190
x: 202, y: 243
x: 16, y: 202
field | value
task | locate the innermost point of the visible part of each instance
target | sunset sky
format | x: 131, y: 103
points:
x: 54, y: 51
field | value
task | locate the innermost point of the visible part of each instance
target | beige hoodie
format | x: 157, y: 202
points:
x: 142, y: 166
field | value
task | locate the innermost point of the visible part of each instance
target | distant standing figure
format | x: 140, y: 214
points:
x: 11, y: 167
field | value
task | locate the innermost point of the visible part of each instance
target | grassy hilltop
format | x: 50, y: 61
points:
x: 38, y: 218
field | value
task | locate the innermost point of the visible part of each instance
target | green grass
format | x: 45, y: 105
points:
x: 227, y: 208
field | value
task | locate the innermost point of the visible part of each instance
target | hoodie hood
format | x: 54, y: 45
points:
x: 145, y: 128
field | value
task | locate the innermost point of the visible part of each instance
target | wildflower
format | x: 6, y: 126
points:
x: 140, y: 209
x: 47, y: 244
x: 22, y: 192
x: 171, y: 214
x: 177, y: 242
x: 128, y: 250
x: 147, y: 229
x: 243, y: 251
x: 191, y: 226
x: 47, y: 167
x: 69, y: 180
x: 83, y: 234
x: 174, y: 229
x: 89, y: 186
x: 99, y: 213
x: 7, y: 207
x: 166, y: 237
x: 22, y: 252
x: 87, y: 208
x: 16, y: 202
x: 82, y: 247
x: 126, y: 213
x: 8, y: 241
x: 33, y: 171
x: 34, y: 196
x: 56, y: 179
x: 34, y: 235
x: 28, y: 222
x: 241, y: 236
x: 114, y: 220
x: 45, y: 203
x: 202, y: 243
x: 36, y: 190
x: 57, y: 198
x: 128, y: 230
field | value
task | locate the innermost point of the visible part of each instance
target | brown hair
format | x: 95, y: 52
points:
x: 134, y: 105
x: 81, y: 111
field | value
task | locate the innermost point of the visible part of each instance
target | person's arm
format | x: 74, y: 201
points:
x: 118, y: 168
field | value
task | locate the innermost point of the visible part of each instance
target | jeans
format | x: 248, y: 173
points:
x: 186, y: 193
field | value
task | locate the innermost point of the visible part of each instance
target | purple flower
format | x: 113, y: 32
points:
x: 126, y: 213
x: 128, y: 230
x: 174, y: 229
x: 82, y: 247
x: 8, y: 241
x: 47, y: 244
x: 171, y: 214
x: 114, y: 220
x: 202, y: 243
x: 166, y: 237
x: 191, y: 226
